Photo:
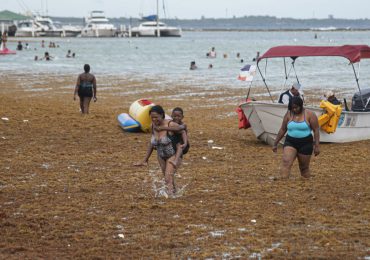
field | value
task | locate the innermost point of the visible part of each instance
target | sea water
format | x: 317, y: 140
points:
x: 166, y: 61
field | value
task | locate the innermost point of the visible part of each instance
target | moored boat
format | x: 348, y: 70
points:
x: 97, y: 25
x: 265, y: 118
x: 47, y: 26
x: 151, y: 28
x: 27, y: 28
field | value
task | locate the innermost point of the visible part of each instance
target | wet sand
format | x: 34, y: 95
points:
x: 68, y: 188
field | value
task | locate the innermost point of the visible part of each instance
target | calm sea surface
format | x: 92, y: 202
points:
x: 166, y: 60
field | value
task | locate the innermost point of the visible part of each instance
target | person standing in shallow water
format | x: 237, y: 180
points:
x: 85, y: 89
x: 299, y: 142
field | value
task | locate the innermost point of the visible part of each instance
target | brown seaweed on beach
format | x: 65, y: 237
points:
x: 68, y: 188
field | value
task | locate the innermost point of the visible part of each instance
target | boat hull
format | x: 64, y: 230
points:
x: 266, y: 119
x: 51, y: 33
x: 98, y: 33
x: 171, y: 33
x: 28, y: 33
x: 149, y: 29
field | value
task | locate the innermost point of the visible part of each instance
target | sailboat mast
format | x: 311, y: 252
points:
x: 158, y: 32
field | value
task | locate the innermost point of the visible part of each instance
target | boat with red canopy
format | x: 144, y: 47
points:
x: 265, y: 118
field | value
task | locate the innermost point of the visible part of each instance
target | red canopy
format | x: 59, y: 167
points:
x: 354, y: 53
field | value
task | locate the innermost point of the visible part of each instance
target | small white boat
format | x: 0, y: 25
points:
x: 151, y: 28
x: 266, y: 118
x: 97, y: 25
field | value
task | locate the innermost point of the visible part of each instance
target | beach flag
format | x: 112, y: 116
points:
x: 247, y: 73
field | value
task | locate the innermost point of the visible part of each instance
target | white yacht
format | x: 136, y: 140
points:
x: 97, y: 25
x: 28, y: 28
x: 44, y: 26
x: 150, y: 29
x: 47, y: 26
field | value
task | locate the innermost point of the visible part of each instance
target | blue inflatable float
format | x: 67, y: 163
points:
x: 128, y: 123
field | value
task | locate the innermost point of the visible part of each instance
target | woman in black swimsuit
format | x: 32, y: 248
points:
x: 86, y: 89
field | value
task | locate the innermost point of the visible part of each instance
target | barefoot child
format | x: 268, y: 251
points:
x: 181, y: 138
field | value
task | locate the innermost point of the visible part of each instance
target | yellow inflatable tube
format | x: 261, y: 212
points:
x: 139, y: 110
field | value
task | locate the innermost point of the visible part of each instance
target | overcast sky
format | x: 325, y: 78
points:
x: 195, y: 9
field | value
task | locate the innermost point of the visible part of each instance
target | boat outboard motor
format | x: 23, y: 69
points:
x: 357, y: 104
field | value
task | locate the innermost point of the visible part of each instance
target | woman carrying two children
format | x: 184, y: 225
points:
x: 166, y: 140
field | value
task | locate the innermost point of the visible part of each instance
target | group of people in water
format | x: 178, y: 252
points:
x: 213, y: 54
x: 46, y: 55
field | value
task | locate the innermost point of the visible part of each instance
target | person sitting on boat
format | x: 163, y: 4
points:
x: 299, y: 143
x: 330, y: 96
x: 286, y: 96
x: 193, y: 66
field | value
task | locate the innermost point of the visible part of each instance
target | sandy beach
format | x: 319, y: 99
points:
x: 68, y: 188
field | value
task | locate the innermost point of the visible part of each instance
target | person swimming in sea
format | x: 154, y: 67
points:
x: 193, y: 66
x: 47, y: 56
